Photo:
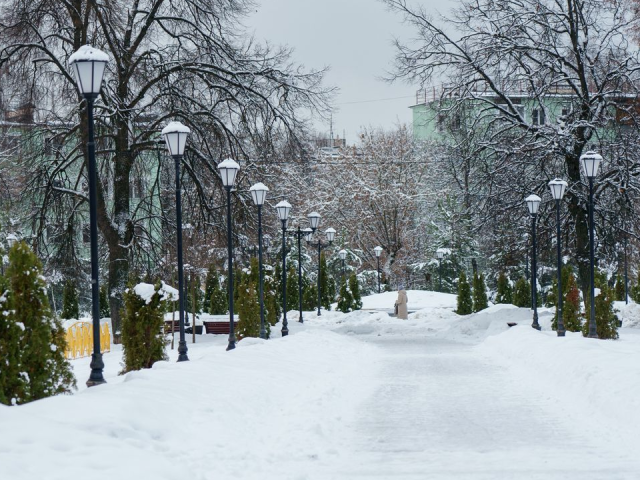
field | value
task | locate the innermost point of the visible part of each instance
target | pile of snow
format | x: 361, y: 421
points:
x: 628, y: 314
x: 272, y: 406
x: 592, y: 379
x: 146, y: 291
x: 418, y: 299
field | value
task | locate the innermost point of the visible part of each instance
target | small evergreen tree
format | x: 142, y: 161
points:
x: 480, y: 301
x: 522, y: 293
x: 211, y: 282
x: 354, y: 286
x: 273, y: 308
x: 292, y: 290
x: 39, y: 358
x: 345, y: 299
x: 606, y: 320
x: 619, y: 289
x: 105, y: 310
x: 193, y: 302
x: 310, y: 297
x: 249, y: 304
x: 571, y: 305
x: 70, y: 309
x: 327, y: 286
x: 634, y: 292
x: 503, y: 294
x: 143, y: 339
x: 465, y: 304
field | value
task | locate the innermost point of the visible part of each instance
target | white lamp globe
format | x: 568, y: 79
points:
x: 557, y: 187
x: 259, y: 193
x: 314, y: 220
x: 228, y: 171
x: 590, y: 164
x: 533, y: 203
x: 378, y: 251
x: 175, y: 135
x: 283, y: 208
x: 88, y: 65
x: 331, y: 234
x: 342, y: 254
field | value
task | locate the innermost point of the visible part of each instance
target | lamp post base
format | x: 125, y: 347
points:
x: 535, y: 323
x: 285, y: 331
x: 301, y: 321
x: 593, y: 335
x: 182, y: 351
x: 97, y: 366
x: 232, y: 345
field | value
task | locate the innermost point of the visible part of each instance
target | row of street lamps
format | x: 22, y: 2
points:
x: 590, y: 163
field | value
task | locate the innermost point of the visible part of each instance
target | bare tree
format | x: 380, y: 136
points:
x: 490, y: 54
x: 188, y: 60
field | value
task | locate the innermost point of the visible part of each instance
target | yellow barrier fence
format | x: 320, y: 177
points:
x: 80, y: 340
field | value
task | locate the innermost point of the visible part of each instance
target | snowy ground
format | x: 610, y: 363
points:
x: 360, y: 395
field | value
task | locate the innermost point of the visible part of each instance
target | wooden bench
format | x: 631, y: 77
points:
x: 219, y: 328
x: 176, y: 326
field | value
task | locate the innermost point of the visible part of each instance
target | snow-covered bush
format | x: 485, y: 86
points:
x: 465, y: 303
x: 70, y: 307
x: 143, y: 339
x: 32, y: 340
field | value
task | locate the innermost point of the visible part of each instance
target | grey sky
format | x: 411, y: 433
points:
x: 353, y: 38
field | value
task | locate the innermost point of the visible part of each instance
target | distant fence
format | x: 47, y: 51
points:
x: 80, y: 340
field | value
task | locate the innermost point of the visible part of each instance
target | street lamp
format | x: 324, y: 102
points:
x: 299, y: 234
x: 89, y: 64
x: 342, y: 254
x: 175, y: 135
x: 283, y: 208
x: 228, y: 171
x: 440, y: 254
x: 378, y: 251
x: 558, y: 187
x: 331, y: 233
x: 533, y: 203
x: 259, y: 195
x: 590, y: 164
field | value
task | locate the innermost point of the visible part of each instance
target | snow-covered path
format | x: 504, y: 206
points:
x: 444, y: 411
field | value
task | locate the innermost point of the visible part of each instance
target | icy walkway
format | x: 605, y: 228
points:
x: 444, y: 411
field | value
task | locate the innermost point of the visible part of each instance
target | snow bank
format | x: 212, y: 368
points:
x: 628, y: 314
x: 596, y: 380
x: 265, y: 410
x: 418, y: 299
x: 146, y: 291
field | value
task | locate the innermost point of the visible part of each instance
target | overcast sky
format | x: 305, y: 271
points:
x: 353, y: 38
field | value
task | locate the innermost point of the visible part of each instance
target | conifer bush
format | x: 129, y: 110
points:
x: 273, y: 308
x: 70, y: 309
x: 354, y: 286
x: 503, y: 295
x: 292, y: 289
x: 143, y: 339
x: 619, y: 289
x: 105, y: 309
x: 571, y: 304
x: 634, y: 292
x: 216, y: 296
x: 480, y: 301
x: 32, y: 340
x: 345, y: 299
x: 465, y: 303
x: 522, y: 293
x: 310, y: 297
x: 327, y: 285
x: 606, y: 320
x: 249, y: 304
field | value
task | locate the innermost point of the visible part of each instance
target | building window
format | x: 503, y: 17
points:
x: 537, y: 116
x: 86, y: 233
x: 52, y: 146
x: 520, y: 110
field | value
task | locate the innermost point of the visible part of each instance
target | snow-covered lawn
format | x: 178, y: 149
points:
x: 360, y: 395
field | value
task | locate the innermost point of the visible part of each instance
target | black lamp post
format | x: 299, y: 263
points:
x: 558, y: 188
x: 175, y: 134
x: 533, y: 202
x: 283, y: 208
x: 440, y: 254
x: 331, y: 233
x: 298, y: 234
x: 228, y: 172
x: 378, y: 251
x: 343, y: 255
x: 259, y: 194
x: 591, y: 163
x: 89, y: 64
